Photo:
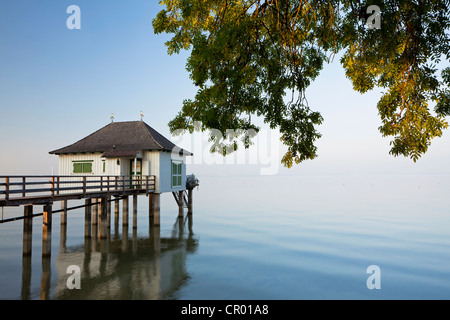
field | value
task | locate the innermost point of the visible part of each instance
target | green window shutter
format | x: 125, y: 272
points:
x: 176, y: 174
x: 87, y: 167
x: 82, y: 166
x: 173, y: 174
x: 77, y: 168
x: 104, y: 166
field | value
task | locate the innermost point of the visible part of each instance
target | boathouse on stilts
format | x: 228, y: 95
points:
x: 120, y: 160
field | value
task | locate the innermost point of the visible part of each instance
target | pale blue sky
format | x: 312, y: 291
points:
x: 59, y: 85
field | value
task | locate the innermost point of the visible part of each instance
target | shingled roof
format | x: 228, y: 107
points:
x: 122, y: 139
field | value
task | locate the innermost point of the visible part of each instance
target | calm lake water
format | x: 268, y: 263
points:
x: 262, y: 237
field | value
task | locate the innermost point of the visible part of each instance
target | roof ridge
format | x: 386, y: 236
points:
x: 146, y: 126
x: 168, y: 145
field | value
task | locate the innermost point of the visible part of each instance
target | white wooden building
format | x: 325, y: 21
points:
x: 126, y: 149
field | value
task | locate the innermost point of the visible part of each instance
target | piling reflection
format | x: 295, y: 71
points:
x: 120, y: 265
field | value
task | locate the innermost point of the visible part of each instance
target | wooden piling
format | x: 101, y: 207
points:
x: 95, y: 213
x: 180, y: 229
x: 62, y: 237
x: 108, y: 212
x: 180, y: 204
x: 64, y: 212
x: 150, y: 205
x: 63, y: 226
x: 87, y: 218
x: 125, y: 211
x: 27, y: 230
x: 103, y: 215
x: 190, y: 201
x: 47, y: 216
x: 156, y: 209
x: 47, y: 231
x: 135, y: 209
x: 124, y: 247
x: 116, y: 213
x: 103, y: 208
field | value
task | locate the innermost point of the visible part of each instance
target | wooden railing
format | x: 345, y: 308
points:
x: 17, y: 187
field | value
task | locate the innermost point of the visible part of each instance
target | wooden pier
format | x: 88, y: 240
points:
x: 99, y: 193
x: 24, y: 190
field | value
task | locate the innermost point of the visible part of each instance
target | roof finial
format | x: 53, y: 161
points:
x: 142, y: 115
x: 112, y: 117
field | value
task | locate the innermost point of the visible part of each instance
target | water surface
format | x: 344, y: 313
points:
x: 255, y: 237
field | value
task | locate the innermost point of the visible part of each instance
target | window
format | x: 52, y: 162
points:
x: 176, y: 173
x: 138, y: 167
x: 82, y: 166
x: 104, y: 166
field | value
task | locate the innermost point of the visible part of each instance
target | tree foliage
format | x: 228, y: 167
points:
x: 257, y: 57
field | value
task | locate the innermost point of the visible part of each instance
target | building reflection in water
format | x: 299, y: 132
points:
x: 119, y: 266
